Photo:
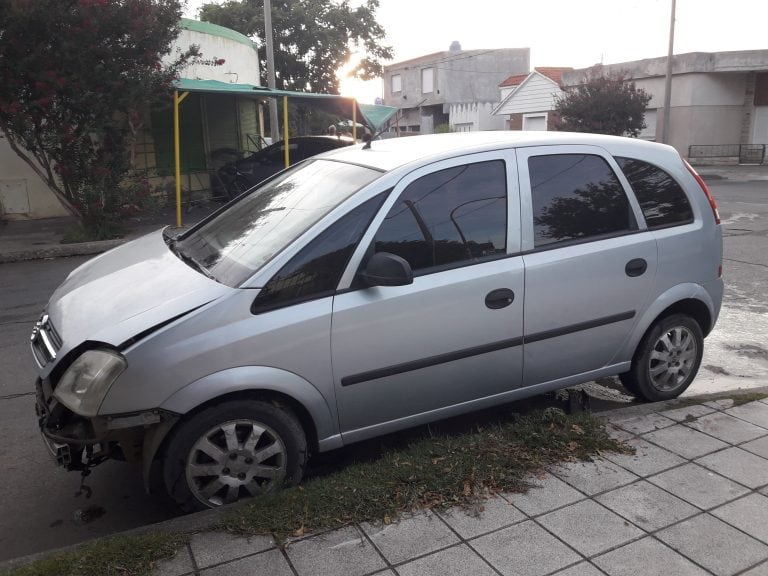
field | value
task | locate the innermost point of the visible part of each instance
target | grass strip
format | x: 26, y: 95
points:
x: 117, y: 556
x: 428, y: 473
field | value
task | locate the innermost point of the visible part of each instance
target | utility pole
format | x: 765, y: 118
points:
x: 668, y: 80
x: 273, y: 128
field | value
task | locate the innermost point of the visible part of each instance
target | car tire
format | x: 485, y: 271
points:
x: 667, y: 359
x: 232, y: 451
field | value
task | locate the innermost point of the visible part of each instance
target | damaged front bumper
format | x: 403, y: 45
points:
x: 79, y: 443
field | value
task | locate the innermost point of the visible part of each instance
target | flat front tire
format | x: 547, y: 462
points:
x: 232, y: 451
x: 667, y: 359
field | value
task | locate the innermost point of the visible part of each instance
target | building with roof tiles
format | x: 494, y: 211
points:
x: 528, y: 100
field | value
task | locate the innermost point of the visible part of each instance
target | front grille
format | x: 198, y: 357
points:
x: 45, y: 341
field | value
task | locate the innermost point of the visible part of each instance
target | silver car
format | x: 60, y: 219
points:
x: 369, y: 290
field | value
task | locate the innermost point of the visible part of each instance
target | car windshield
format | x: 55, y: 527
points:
x: 250, y: 232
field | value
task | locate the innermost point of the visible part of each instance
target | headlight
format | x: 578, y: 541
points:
x: 86, y: 382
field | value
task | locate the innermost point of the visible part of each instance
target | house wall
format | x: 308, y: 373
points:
x: 23, y: 194
x: 474, y: 116
x: 459, y: 77
x: 713, y: 95
x: 535, y: 94
x: 515, y: 121
x: 241, y: 61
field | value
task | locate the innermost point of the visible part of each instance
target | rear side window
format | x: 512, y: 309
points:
x: 450, y: 217
x: 576, y: 197
x: 315, y: 271
x: 662, y: 200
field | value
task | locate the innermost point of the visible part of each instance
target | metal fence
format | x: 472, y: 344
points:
x: 746, y: 153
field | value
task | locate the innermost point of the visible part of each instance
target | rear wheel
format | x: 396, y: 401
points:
x: 667, y: 359
x: 233, y: 451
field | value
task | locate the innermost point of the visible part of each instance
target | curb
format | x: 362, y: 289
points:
x: 203, y: 521
x: 62, y: 250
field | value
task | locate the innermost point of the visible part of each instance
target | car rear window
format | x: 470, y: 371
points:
x: 661, y: 198
x: 576, y: 197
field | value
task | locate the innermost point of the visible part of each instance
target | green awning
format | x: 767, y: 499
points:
x: 373, y: 116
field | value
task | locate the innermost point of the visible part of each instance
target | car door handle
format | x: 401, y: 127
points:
x: 500, y: 298
x: 636, y: 267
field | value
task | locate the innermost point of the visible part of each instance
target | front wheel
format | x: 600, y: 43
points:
x: 233, y: 451
x: 667, y: 359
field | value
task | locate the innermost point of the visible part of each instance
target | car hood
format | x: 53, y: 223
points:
x: 127, y: 291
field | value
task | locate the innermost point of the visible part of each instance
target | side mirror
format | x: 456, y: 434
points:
x: 385, y: 269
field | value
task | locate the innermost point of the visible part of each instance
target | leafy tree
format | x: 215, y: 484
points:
x: 77, y: 79
x: 312, y: 39
x: 603, y: 104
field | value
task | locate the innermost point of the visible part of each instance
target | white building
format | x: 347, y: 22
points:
x: 528, y: 100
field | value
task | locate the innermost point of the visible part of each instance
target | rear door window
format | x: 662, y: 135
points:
x: 576, y: 197
x: 661, y: 198
x: 449, y: 218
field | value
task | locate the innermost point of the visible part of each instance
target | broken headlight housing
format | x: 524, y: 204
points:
x: 86, y: 382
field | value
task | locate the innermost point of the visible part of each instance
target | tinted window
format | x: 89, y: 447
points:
x: 450, y: 216
x: 576, y: 196
x: 661, y: 198
x: 315, y: 271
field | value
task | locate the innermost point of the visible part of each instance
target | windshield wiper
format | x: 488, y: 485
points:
x: 189, y: 260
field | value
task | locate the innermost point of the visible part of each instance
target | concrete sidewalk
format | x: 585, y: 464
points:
x: 692, y: 500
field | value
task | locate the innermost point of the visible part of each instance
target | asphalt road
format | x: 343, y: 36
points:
x: 39, y: 502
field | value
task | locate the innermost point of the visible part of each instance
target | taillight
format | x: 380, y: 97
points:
x: 705, y: 188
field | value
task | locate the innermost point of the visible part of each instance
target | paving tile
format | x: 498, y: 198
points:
x: 180, y: 564
x: 647, y: 506
x: 699, y: 486
x: 457, y: 561
x: 547, y: 494
x: 344, y: 551
x: 410, y: 537
x: 617, y: 433
x: 589, y: 527
x: 688, y: 412
x: 643, y: 424
x: 495, y: 513
x: 759, y: 446
x: 761, y: 570
x: 593, y: 477
x: 271, y: 562
x: 713, y: 544
x: 721, y: 404
x: 524, y: 549
x: 727, y: 428
x: 582, y: 569
x: 685, y: 441
x: 749, y: 514
x: 648, y: 459
x: 739, y: 465
x: 648, y: 557
x: 754, y: 412
x: 210, y: 548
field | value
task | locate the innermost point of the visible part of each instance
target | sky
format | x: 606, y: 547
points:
x: 577, y: 33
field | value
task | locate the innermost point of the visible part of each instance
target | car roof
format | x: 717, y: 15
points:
x: 393, y: 153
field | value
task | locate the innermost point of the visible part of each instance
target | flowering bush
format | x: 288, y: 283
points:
x: 76, y: 75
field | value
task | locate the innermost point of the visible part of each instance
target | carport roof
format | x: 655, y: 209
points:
x: 373, y: 116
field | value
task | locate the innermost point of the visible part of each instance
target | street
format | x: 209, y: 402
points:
x: 40, y: 502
